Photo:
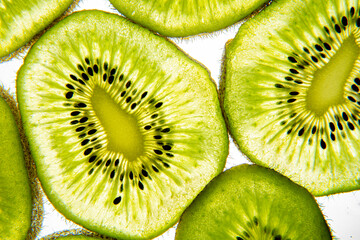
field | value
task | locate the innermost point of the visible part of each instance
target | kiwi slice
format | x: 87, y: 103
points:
x: 15, y: 191
x: 125, y: 128
x: 252, y: 202
x: 291, y: 92
x: 21, y: 20
x: 179, y: 18
x: 36, y: 191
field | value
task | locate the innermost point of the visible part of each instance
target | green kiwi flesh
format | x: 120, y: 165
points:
x: 125, y: 129
x: 290, y: 92
x: 21, y: 20
x: 15, y: 192
x: 252, y: 202
x: 179, y: 18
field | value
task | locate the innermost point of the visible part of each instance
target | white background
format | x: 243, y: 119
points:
x: 341, y: 210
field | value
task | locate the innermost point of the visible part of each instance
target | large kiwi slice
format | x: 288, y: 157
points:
x: 180, y: 18
x: 125, y: 129
x: 291, y: 92
x: 15, y: 192
x: 21, y: 20
x: 252, y: 202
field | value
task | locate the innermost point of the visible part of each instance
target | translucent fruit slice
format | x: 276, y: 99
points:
x: 15, y: 193
x: 21, y: 20
x: 291, y: 92
x: 180, y: 18
x: 252, y: 202
x: 125, y: 128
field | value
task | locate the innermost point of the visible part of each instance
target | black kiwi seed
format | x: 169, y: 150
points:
x: 292, y: 59
x: 117, y: 200
x: 69, y: 95
x: 92, y: 158
x: 355, y: 88
x: 75, y: 113
x: 337, y: 28
x: 144, y: 173
x: 96, y: 68
x: 323, y: 144
x: 111, y: 79
x: 88, y: 151
x: 84, y: 142
x: 80, y: 67
x: 90, y: 71
x: 83, y: 120
x: 344, y: 21
x: 92, y: 131
x: 294, y: 71
x: 73, y: 77
x: 318, y: 48
x: 277, y: 237
x: 327, y: 46
x: 112, y: 174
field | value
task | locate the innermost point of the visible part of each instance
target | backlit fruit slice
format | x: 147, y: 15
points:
x: 15, y: 193
x: 125, y: 128
x: 291, y: 92
x: 250, y: 202
x: 180, y: 18
x: 21, y: 20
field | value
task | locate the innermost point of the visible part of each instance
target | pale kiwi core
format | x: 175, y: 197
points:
x: 121, y: 128
x: 327, y: 87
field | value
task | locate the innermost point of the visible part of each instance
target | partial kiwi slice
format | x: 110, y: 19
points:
x: 181, y: 18
x: 291, y: 92
x: 36, y: 191
x: 125, y: 129
x: 15, y: 191
x: 252, y: 202
x: 21, y: 20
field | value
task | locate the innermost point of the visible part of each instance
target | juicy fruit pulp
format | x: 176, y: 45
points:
x: 180, y: 18
x: 252, y: 202
x: 21, y: 20
x: 15, y: 193
x: 291, y: 92
x: 125, y: 129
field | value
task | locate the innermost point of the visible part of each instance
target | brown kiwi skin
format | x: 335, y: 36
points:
x: 74, y: 233
x: 36, y: 190
x: 22, y: 50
